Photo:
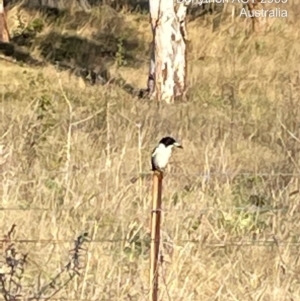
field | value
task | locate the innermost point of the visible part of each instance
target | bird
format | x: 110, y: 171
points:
x: 162, y: 153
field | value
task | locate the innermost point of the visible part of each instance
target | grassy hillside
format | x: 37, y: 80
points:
x: 231, y: 214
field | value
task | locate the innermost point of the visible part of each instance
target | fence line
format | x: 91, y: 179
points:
x: 68, y: 299
x: 201, y: 174
x: 242, y: 243
x: 248, y: 208
x: 214, y: 174
x: 24, y: 209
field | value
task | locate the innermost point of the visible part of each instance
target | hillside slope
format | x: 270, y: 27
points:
x: 72, y: 153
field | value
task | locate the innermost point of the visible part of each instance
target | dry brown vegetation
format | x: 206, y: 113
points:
x: 231, y: 216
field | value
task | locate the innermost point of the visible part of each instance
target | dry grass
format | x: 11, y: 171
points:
x: 73, y: 150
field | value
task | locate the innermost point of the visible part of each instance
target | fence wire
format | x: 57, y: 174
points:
x: 201, y: 173
x: 206, y: 175
x: 201, y: 210
x: 215, y: 174
x: 145, y: 292
x: 241, y: 243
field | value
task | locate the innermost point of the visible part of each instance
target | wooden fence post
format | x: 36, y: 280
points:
x: 155, y: 233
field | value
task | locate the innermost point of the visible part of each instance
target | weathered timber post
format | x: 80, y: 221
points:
x: 155, y: 233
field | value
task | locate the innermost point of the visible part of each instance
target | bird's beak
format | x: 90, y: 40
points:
x: 178, y: 145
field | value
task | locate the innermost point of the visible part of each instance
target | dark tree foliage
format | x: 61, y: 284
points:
x: 132, y: 5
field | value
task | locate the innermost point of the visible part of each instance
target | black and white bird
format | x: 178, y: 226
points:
x: 162, y: 153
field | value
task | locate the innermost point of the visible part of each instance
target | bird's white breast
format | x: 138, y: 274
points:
x: 162, y: 155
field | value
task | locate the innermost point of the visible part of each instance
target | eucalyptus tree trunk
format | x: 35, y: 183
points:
x: 258, y: 23
x: 167, y: 74
x: 4, y: 33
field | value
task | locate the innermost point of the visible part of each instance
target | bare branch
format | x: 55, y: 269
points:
x: 72, y: 268
x: 13, y: 268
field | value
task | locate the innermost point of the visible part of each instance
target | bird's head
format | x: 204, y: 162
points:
x: 170, y: 142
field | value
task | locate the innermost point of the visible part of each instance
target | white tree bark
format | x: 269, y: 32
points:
x: 4, y: 34
x: 167, y: 74
x: 258, y: 23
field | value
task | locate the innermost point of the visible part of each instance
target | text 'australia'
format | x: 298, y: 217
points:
x: 271, y: 13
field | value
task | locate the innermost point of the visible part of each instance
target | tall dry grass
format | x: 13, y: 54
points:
x: 231, y: 215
